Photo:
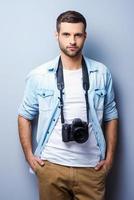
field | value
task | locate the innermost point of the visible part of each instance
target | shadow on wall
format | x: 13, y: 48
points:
x: 114, y: 177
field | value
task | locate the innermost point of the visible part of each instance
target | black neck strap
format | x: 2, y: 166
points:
x: 60, y: 86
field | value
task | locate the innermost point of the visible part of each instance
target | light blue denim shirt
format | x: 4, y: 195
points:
x: 41, y: 97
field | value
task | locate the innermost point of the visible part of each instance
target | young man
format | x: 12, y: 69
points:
x: 74, y: 99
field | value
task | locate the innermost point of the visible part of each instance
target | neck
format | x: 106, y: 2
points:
x: 71, y: 63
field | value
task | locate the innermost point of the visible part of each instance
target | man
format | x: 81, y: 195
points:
x: 74, y: 99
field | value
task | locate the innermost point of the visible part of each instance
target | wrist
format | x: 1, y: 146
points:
x: 28, y: 155
x: 109, y: 160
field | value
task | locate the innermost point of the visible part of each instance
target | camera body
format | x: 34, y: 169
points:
x: 76, y: 131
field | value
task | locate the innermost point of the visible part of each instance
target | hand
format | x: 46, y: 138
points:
x: 105, y: 164
x: 33, y: 161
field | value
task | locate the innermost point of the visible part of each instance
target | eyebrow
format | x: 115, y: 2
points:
x: 65, y: 33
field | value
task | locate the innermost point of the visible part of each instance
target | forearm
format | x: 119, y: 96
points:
x: 110, y: 129
x: 25, y: 132
x: 24, y: 126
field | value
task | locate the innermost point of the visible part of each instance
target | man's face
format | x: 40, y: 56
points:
x: 71, y: 38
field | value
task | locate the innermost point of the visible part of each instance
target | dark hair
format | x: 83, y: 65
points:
x: 70, y: 17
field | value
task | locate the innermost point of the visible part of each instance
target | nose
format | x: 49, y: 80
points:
x: 72, y: 40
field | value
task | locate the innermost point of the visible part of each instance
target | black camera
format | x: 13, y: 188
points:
x: 77, y: 131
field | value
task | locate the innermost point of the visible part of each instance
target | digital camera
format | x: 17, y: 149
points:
x: 76, y: 131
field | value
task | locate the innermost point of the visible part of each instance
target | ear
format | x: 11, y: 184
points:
x: 56, y: 35
x: 85, y: 35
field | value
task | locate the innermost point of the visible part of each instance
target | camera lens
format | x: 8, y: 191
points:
x: 80, y: 135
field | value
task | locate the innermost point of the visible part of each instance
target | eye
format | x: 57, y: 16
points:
x: 66, y: 34
x: 79, y: 35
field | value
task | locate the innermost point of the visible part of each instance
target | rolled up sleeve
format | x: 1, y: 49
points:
x: 29, y: 106
x: 110, y: 110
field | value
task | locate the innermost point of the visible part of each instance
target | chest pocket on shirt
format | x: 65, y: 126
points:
x: 45, y: 99
x: 99, y: 98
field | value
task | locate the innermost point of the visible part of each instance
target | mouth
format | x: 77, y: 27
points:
x: 72, y: 48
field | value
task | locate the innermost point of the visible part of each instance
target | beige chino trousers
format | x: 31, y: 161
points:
x: 57, y: 182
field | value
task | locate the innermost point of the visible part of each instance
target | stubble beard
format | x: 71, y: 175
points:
x: 69, y: 53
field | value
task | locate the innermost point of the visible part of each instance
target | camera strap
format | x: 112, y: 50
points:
x: 60, y: 86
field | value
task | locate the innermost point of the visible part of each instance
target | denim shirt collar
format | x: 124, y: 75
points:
x: 90, y: 67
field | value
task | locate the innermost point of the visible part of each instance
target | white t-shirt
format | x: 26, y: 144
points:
x: 72, y: 153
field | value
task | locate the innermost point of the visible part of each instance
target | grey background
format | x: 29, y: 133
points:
x: 26, y: 41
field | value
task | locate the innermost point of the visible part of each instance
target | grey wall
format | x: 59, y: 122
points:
x: 27, y: 40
